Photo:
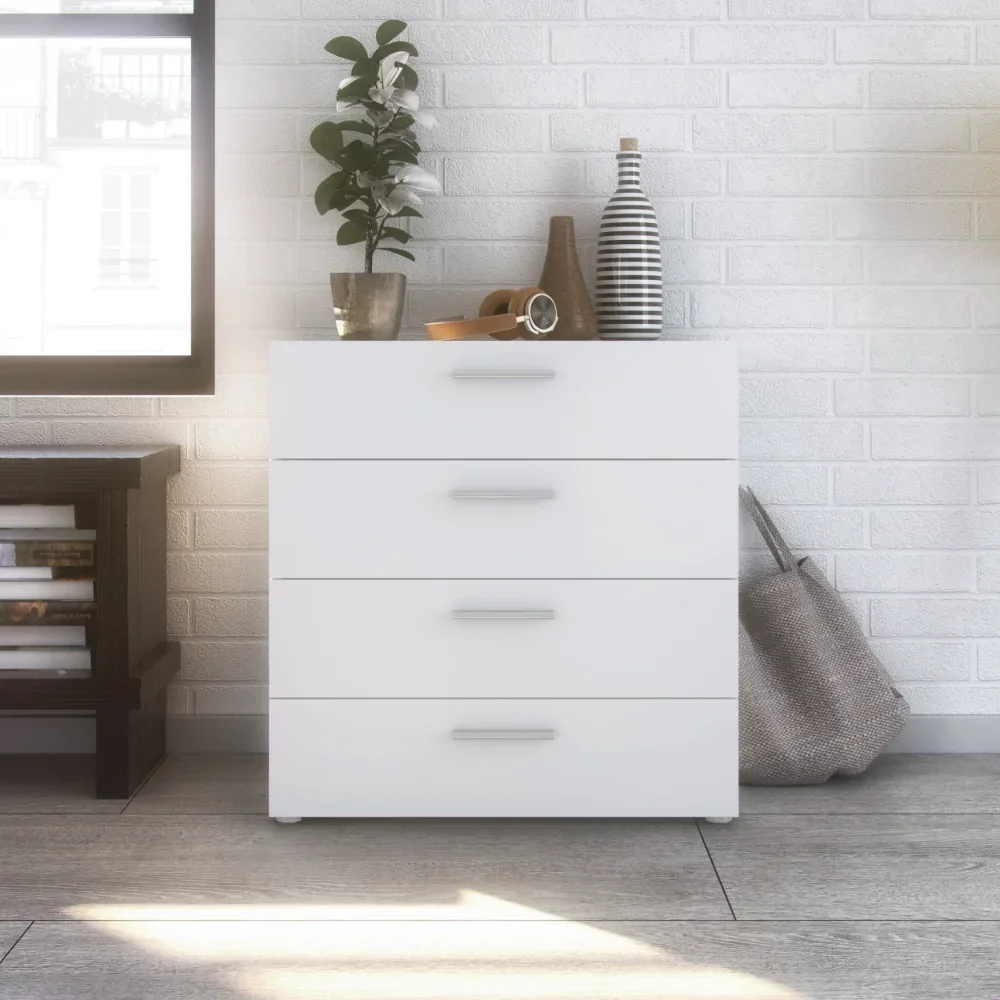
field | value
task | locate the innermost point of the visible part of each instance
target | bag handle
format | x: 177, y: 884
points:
x: 768, y: 530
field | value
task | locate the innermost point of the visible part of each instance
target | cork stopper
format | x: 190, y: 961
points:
x: 629, y: 145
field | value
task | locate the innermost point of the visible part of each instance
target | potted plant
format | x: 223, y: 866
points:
x: 377, y: 182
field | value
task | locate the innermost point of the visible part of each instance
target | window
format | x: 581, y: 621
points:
x: 126, y: 242
x: 106, y: 177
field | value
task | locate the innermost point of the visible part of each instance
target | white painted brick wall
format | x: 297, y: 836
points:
x: 902, y: 44
x: 761, y: 133
x: 878, y: 483
x: 898, y: 572
x: 784, y: 397
x: 801, y: 352
x: 827, y: 178
x: 882, y: 397
x: 759, y: 43
x: 804, y: 88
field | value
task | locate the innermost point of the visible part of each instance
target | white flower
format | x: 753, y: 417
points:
x: 393, y: 98
x: 410, y: 103
x: 405, y: 188
x: 392, y: 197
x: 418, y: 179
x: 388, y: 74
x: 406, y: 99
x: 392, y: 66
x: 380, y: 95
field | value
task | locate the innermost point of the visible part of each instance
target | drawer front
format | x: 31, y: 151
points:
x: 491, y: 520
x: 503, y: 639
x: 503, y: 758
x: 503, y: 400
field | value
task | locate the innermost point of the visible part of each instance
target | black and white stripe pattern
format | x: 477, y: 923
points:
x: 629, y: 266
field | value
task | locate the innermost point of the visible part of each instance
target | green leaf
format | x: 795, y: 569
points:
x: 364, y: 67
x: 366, y: 128
x: 387, y: 50
x: 342, y: 199
x: 326, y: 189
x: 358, y: 215
x: 349, y: 233
x: 392, y: 144
x: 408, y: 78
x: 400, y: 154
x: 407, y: 212
x: 399, y: 235
x: 357, y: 88
x: 402, y: 122
x: 378, y: 114
x: 345, y: 47
x: 357, y: 155
x: 396, y: 250
x: 403, y: 135
x: 327, y: 140
x: 388, y: 30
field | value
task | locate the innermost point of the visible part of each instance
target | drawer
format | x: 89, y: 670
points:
x: 503, y: 758
x: 657, y: 399
x: 490, y: 520
x: 503, y: 639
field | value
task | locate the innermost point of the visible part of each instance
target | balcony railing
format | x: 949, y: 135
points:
x: 20, y: 135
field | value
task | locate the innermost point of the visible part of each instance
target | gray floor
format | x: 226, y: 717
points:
x: 883, y: 888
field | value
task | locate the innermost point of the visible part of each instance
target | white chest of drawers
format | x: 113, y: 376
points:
x: 503, y: 579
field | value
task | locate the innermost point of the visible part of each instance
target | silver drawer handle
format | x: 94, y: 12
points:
x: 500, y: 374
x: 503, y: 734
x: 503, y: 494
x: 527, y: 614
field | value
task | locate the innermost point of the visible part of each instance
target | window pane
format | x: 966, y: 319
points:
x: 141, y: 188
x: 96, y: 6
x: 111, y: 228
x: 95, y: 174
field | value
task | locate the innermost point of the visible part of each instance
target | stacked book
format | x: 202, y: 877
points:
x: 46, y: 590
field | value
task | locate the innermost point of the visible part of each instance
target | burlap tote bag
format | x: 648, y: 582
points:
x: 814, y: 699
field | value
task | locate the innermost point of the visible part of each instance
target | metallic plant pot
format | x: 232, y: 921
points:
x: 368, y: 306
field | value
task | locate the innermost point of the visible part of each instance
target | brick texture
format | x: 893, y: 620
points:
x: 827, y: 177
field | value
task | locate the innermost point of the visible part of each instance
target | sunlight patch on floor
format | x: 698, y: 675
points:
x: 478, y: 948
x: 467, y: 905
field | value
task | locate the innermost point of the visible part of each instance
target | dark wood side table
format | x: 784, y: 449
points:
x: 121, y: 493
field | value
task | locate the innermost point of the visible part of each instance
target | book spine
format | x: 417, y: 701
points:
x: 46, y: 553
x: 46, y: 612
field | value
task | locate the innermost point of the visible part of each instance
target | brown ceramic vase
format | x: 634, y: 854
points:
x: 563, y: 280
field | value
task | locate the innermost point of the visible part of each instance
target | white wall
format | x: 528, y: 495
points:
x: 828, y: 182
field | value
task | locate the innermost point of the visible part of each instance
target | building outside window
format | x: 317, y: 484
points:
x: 126, y: 256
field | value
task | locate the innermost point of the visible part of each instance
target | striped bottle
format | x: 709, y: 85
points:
x: 629, y: 266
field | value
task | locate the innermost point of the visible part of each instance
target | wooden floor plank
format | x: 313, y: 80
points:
x: 468, y: 960
x: 206, y: 783
x: 570, y: 869
x: 887, y: 867
x: 10, y: 931
x: 897, y: 783
x: 51, y: 784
